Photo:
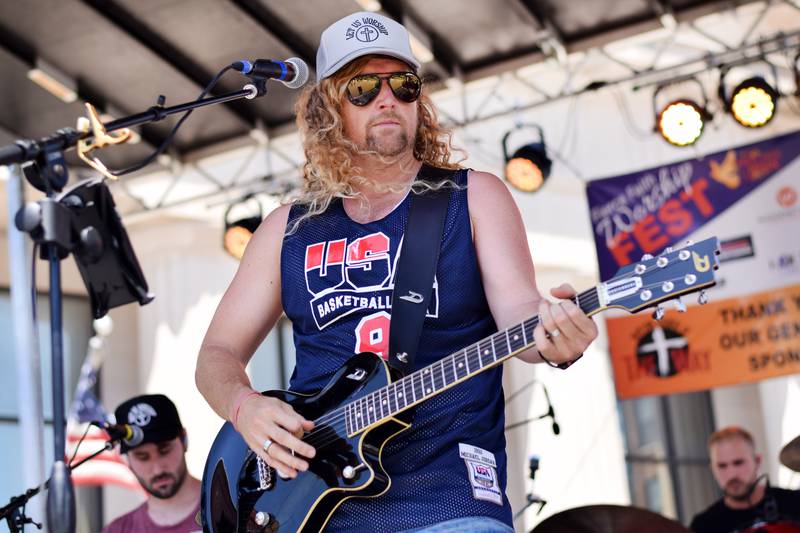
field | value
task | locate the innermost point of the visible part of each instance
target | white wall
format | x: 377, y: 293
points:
x: 187, y: 271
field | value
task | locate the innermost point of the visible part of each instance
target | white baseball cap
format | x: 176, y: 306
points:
x: 358, y: 35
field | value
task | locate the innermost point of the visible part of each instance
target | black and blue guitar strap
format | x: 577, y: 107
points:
x: 416, y: 268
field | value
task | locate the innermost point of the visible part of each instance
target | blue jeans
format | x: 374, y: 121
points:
x: 477, y: 524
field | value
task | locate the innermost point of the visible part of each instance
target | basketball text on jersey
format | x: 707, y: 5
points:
x: 344, y: 278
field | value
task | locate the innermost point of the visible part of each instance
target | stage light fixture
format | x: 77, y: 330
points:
x: 239, y: 232
x: 681, y: 122
x: 753, y: 102
x: 528, y: 167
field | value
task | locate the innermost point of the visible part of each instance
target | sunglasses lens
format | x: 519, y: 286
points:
x: 362, y: 89
x: 405, y: 86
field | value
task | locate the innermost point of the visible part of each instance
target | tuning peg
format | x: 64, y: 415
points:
x: 702, y: 298
x: 667, y: 250
x: 645, y: 257
x: 679, y: 305
x: 658, y: 313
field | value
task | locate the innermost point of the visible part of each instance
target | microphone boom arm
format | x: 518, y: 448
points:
x: 14, y: 512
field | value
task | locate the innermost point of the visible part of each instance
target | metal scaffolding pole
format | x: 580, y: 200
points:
x: 26, y: 350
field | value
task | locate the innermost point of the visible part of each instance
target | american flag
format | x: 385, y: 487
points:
x: 108, y: 467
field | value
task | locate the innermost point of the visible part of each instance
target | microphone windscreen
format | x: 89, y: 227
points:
x: 300, y: 73
x: 136, y: 438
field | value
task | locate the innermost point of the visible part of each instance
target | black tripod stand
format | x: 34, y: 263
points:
x: 14, y: 512
x: 531, y: 498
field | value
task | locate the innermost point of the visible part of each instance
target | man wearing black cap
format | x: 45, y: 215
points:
x: 159, y: 463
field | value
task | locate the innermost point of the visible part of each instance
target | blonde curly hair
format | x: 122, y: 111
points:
x: 329, y: 171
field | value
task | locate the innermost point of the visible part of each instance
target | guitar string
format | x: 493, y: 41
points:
x: 473, y: 358
x: 591, y: 298
x: 338, y: 415
x: 419, y: 373
x: 592, y: 294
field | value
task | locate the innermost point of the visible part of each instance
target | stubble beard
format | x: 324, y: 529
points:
x: 741, y: 492
x: 388, y: 146
x: 167, y: 491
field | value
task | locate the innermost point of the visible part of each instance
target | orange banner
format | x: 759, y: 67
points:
x: 731, y: 341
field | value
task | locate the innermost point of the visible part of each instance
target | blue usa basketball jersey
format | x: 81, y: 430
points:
x: 337, y: 278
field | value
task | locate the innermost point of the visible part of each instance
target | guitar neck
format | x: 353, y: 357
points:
x: 448, y: 371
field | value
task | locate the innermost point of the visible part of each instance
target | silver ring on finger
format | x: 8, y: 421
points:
x: 266, y: 445
x: 555, y: 333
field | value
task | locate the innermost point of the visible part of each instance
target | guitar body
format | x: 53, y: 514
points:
x: 241, y: 494
x: 236, y: 489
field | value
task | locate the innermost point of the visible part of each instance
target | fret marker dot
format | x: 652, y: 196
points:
x: 399, y: 394
x: 358, y: 414
x: 370, y: 409
x: 460, y: 365
x: 428, y: 391
x: 426, y: 371
x: 384, y: 402
x: 516, y: 337
x: 486, y: 352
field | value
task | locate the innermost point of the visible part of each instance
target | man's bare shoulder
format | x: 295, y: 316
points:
x: 485, y: 190
x: 278, y: 217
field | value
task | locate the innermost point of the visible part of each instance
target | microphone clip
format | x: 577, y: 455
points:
x: 257, y: 86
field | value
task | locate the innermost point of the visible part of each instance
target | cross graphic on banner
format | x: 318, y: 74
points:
x: 661, y: 345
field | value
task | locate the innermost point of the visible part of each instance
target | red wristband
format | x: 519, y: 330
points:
x: 238, y: 404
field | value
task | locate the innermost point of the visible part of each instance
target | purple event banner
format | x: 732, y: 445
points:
x: 646, y: 211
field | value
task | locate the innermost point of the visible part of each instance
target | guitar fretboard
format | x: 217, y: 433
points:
x: 456, y: 367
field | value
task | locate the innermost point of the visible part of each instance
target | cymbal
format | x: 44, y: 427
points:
x: 790, y: 455
x: 608, y: 519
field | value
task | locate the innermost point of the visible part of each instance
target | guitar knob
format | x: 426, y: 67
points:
x: 261, y: 518
x: 658, y: 314
x: 349, y: 472
x: 702, y: 298
x: 680, y: 306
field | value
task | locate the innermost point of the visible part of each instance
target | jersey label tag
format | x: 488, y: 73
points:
x: 482, y: 473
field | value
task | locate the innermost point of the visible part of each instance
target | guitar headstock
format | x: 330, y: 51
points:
x: 652, y: 280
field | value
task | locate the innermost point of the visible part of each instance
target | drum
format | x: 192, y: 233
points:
x: 608, y: 519
x: 771, y: 526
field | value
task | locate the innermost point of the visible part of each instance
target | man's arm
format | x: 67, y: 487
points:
x: 509, y: 279
x: 247, y: 312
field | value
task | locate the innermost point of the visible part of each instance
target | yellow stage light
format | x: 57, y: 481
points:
x: 681, y: 122
x: 753, y: 102
x: 239, y: 232
x: 528, y: 167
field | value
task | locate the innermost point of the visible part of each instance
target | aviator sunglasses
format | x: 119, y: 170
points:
x: 363, y: 89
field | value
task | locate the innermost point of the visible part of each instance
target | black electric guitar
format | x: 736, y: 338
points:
x: 357, y: 411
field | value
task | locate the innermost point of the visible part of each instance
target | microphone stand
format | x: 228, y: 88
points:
x: 50, y: 224
x: 14, y: 512
x: 548, y: 414
x: 531, y: 497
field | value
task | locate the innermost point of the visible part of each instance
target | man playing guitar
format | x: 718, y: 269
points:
x: 328, y: 261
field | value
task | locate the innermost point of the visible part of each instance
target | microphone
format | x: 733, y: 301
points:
x: 131, y: 435
x: 292, y: 72
x: 551, y: 412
